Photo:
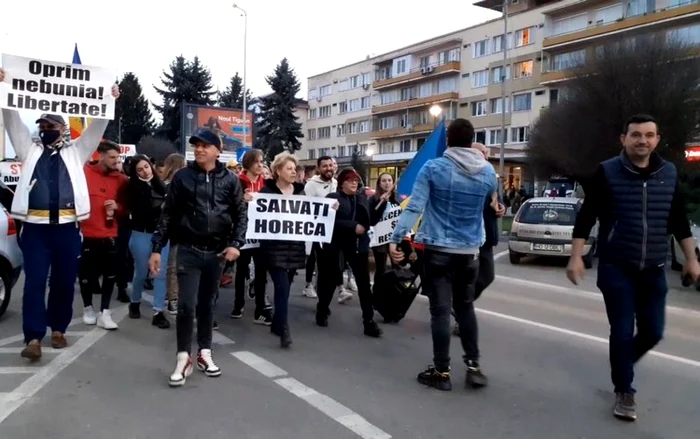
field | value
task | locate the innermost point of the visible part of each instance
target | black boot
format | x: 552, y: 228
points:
x: 160, y: 321
x: 285, y: 338
x: 372, y: 329
x: 135, y: 310
x: 122, y: 296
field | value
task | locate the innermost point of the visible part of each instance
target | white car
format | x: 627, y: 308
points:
x: 10, y: 254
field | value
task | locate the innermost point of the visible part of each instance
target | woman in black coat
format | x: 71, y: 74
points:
x: 283, y: 258
x: 383, y: 200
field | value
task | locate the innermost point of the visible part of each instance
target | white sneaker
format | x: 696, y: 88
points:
x: 344, y: 295
x: 206, y: 364
x: 89, y: 316
x: 351, y: 284
x: 310, y: 291
x: 183, y: 369
x: 105, y: 320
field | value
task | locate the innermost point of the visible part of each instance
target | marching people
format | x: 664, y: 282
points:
x: 637, y: 200
x: 283, y: 258
x: 383, y: 199
x: 205, y: 209
x: 349, y: 244
x: 145, y: 199
x: 252, y: 181
x: 464, y: 180
x: 173, y: 163
x: 320, y: 185
x: 50, y: 198
x: 100, y: 256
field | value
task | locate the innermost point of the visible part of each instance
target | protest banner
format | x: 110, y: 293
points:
x: 10, y: 172
x: 57, y: 88
x: 251, y: 243
x: 290, y: 218
x: 381, y: 233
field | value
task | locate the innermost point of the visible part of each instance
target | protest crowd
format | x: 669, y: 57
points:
x: 187, y: 226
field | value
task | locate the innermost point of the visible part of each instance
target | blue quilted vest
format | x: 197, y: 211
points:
x: 636, y: 230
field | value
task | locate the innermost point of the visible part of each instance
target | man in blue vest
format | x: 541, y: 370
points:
x: 51, y: 199
x: 637, y: 200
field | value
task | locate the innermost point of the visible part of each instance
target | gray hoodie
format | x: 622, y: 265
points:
x: 317, y: 187
x: 469, y: 160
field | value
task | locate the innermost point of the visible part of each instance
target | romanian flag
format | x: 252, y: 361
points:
x: 76, y: 124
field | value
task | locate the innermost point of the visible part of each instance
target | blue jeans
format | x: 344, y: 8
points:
x: 632, y: 294
x: 282, y: 280
x: 140, y: 246
x: 45, y: 247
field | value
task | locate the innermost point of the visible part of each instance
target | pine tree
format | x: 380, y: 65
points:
x: 132, y: 119
x: 187, y: 81
x: 279, y: 127
x: 232, y: 97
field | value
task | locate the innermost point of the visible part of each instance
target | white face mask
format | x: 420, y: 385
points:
x: 146, y: 180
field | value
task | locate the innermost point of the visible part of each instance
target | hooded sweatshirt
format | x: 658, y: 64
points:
x: 249, y: 185
x: 317, y: 187
x: 102, y: 187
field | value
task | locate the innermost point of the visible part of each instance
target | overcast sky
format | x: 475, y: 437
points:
x: 144, y: 36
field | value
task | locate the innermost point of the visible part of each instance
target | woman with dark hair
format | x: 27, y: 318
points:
x: 145, y: 198
x: 383, y: 200
x: 283, y: 258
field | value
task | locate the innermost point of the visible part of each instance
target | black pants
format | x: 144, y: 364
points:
x: 99, y: 257
x: 242, y: 274
x: 311, y: 262
x: 449, y: 281
x: 282, y: 280
x: 331, y: 263
x: 198, y: 276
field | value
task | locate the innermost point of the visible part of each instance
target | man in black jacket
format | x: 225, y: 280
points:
x: 205, y: 210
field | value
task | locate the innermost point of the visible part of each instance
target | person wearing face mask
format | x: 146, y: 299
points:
x: 145, y: 198
x: 50, y: 199
x: 100, y: 256
x: 349, y: 244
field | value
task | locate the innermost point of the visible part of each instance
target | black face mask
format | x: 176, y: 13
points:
x: 48, y: 137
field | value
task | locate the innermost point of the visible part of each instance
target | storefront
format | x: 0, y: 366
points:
x: 395, y: 170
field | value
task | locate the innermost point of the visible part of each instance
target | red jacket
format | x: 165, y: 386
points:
x: 249, y: 185
x: 103, y: 187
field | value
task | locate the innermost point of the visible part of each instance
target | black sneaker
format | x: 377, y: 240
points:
x: 372, y: 329
x: 625, y: 407
x: 237, y: 313
x: 135, y: 310
x: 438, y: 380
x: 160, y: 321
x: 285, y: 338
x: 475, y: 377
x: 321, y: 320
x: 263, y: 318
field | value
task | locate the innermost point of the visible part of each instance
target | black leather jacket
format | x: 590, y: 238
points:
x: 203, y: 209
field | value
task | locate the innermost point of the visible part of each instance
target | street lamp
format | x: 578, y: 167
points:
x: 245, y: 91
x: 435, y: 111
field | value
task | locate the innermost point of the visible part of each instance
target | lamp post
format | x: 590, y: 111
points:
x: 245, y: 94
x: 435, y: 111
x: 502, y: 157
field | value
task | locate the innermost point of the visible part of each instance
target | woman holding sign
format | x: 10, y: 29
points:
x: 283, y: 258
x: 382, y: 203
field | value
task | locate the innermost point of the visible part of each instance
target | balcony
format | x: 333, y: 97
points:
x: 413, y: 103
x: 418, y: 73
x: 556, y: 76
x: 402, y: 131
x: 622, y: 24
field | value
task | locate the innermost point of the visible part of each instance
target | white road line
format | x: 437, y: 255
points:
x: 499, y: 255
x: 219, y: 338
x: 260, y: 364
x: 10, y: 402
x: 333, y: 409
x: 44, y: 350
x: 17, y: 370
x: 582, y: 335
x: 10, y: 340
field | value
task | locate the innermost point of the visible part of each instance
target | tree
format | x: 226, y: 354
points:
x: 132, y: 117
x: 652, y: 75
x: 279, y: 128
x: 186, y: 81
x: 232, y: 97
x: 155, y: 148
x: 358, y: 164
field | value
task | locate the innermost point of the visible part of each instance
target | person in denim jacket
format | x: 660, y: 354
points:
x: 449, y: 193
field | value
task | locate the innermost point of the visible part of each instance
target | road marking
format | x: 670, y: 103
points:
x: 499, y: 255
x: 333, y: 409
x: 44, y: 350
x: 582, y: 335
x: 10, y: 402
x: 260, y: 364
x: 221, y: 339
x: 17, y: 370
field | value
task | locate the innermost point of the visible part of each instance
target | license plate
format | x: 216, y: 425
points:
x: 548, y: 247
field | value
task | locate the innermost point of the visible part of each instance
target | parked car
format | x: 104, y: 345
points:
x: 544, y: 226
x: 10, y: 254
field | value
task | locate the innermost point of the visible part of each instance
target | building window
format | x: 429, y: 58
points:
x: 364, y: 126
x: 388, y: 97
x: 352, y: 128
x: 365, y: 102
x: 355, y: 81
x: 341, y: 151
x: 497, y: 74
x: 354, y: 105
x: 386, y: 123
x: 451, y: 112
x: 312, y: 113
x: 479, y: 108
x: 480, y: 79
x: 569, y: 60
x: 361, y: 149
x: 386, y: 147
x: 522, y: 102
x: 497, y: 106
x: 523, y: 37
x: 343, y: 85
x: 495, y: 136
x: 523, y: 69
x: 324, y: 133
x: 636, y: 7
x: 312, y: 154
x: 609, y: 14
x: 481, y: 48
x: 405, y: 145
x: 520, y: 134
x: 420, y: 142
x: 326, y: 90
x: 324, y: 111
x: 447, y: 85
x: 340, y: 130
x: 366, y: 78
x: 324, y: 152
x: 311, y: 135
x: 342, y: 107
x: 401, y: 67
x: 313, y: 93
x: 498, y: 43
x: 570, y: 24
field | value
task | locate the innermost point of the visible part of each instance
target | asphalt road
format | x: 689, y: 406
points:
x: 543, y: 344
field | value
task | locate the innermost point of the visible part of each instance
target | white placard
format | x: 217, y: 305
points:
x: 381, y: 233
x: 290, y: 218
x: 57, y: 88
x: 251, y: 243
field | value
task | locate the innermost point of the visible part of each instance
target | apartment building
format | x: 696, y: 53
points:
x: 488, y: 74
